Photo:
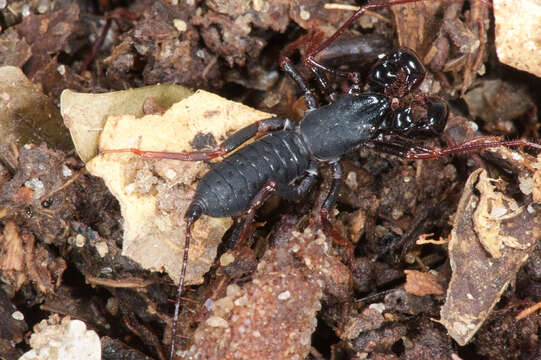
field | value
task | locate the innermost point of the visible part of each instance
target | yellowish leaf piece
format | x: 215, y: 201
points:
x: 85, y: 114
x: 26, y: 114
x: 154, y: 194
x: 493, y: 208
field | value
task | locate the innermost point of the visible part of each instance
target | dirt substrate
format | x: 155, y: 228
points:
x: 447, y: 261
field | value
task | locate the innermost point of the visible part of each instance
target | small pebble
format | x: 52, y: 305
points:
x: 216, y: 321
x: 102, y: 248
x: 180, y: 25
x: 285, y: 295
x: 80, y: 240
x: 17, y: 315
x: 305, y: 15
x: 226, y: 259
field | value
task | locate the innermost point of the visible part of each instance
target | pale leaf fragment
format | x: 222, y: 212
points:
x: 536, y: 188
x: 154, y: 194
x: 85, y: 114
x: 493, y: 208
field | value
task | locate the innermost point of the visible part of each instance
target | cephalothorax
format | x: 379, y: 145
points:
x: 286, y: 161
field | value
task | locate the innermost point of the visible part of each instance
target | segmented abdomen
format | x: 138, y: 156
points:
x: 231, y: 184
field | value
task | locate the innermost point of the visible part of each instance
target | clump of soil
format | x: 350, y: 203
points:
x: 433, y: 239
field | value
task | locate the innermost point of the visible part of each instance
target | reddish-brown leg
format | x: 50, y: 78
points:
x: 310, y: 56
x: 289, y: 69
x: 286, y: 191
x: 256, y: 202
x: 230, y: 144
x: 411, y: 151
x: 311, y: 38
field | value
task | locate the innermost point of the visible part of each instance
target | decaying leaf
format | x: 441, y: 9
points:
x: 478, y: 278
x: 85, y: 114
x: 422, y: 283
x: 536, y: 188
x: 493, y: 208
x: 154, y: 194
x: 26, y: 114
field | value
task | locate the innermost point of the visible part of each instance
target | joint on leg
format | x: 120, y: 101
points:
x: 337, y: 171
x: 288, y: 68
x: 265, y: 191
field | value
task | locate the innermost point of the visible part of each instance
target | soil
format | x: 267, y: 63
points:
x: 433, y: 239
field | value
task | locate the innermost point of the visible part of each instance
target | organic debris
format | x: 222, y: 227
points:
x: 519, y: 338
x: 273, y: 316
x: 517, y: 33
x: 491, y: 239
x: 500, y: 105
x: 61, y: 230
x: 422, y: 284
x: 155, y: 194
x: 63, y: 339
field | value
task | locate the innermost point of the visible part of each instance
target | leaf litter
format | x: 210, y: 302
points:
x: 385, y: 207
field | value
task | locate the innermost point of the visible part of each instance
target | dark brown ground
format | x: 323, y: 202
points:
x: 231, y: 48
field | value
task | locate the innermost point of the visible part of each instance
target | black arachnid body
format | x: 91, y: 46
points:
x: 286, y: 161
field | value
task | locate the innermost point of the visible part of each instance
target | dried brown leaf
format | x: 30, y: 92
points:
x: 422, y: 283
x: 479, y: 279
